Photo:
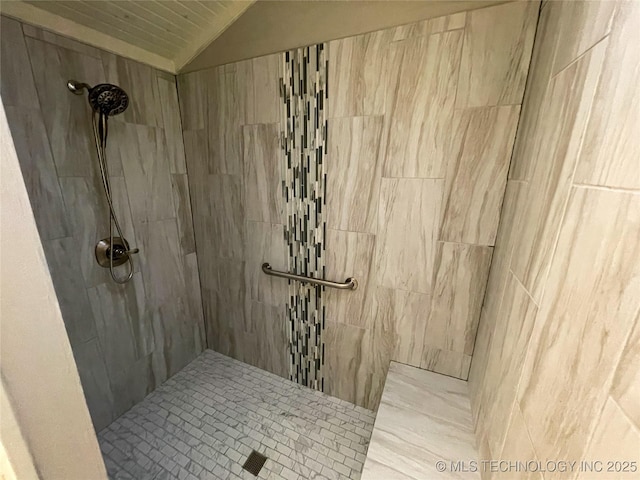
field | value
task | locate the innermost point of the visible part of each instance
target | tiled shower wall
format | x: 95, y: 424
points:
x: 421, y: 124
x: 125, y: 339
x: 555, y: 372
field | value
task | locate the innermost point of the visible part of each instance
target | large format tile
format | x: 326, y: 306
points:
x: 182, y: 204
x: 265, y: 243
x: 584, y: 24
x: 353, y: 169
x: 259, y: 83
x: 432, y: 25
x: 357, y: 74
x: 408, y: 219
x: 496, y: 54
x: 143, y: 153
x: 38, y: 171
x: 272, y: 341
x: 477, y: 174
x: 559, y: 140
x: 625, y: 389
x: 66, y: 116
x: 423, y: 75
x: 517, y: 446
x: 171, y: 122
x: 594, y: 283
x: 225, y: 226
x: 70, y: 290
x: 263, y: 174
x: 17, y: 85
x: 192, y: 93
x: 446, y: 362
x: 349, y: 254
x: 611, y: 146
x: 408, y: 440
x: 461, y: 273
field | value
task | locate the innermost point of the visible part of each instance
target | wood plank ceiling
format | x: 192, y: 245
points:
x: 165, y: 34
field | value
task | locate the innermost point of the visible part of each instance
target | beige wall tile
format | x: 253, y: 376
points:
x: 407, y: 232
x: 517, y: 447
x: 524, y: 150
x: 192, y: 92
x: 611, y: 146
x: 496, y: 54
x: 258, y: 81
x: 429, y: 26
x: 421, y: 90
x: 563, y: 121
x: 357, y: 74
x: 583, y: 25
x: 171, y: 123
x: 227, y: 214
x: 615, y: 440
x: 182, y: 203
x: 591, y: 301
x: 454, y: 364
x: 461, y: 273
x: 349, y: 254
x: 507, y: 352
x: 477, y: 174
x: 626, y: 383
x: 353, y: 169
x: 265, y: 243
x: 263, y: 174
x: 272, y: 345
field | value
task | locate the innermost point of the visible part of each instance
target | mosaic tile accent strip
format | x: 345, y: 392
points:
x: 204, y: 421
x: 304, y: 138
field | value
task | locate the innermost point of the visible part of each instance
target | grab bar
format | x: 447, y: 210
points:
x: 349, y: 284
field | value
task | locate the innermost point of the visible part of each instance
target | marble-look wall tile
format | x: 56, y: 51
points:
x: 616, y: 439
x: 226, y: 107
x: 38, y: 171
x: 446, y: 362
x: 265, y: 243
x: 568, y: 104
x: 263, y: 174
x: 227, y: 215
x: 625, y: 389
x: 507, y: 351
x: 357, y: 360
x: 423, y: 75
x: 70, y: 290
x: 140, y: 83
x: 171, y: 122
x: 353, y: 167
x: 66, y: 116
x: 17, y: 85
x: 407, y: 312
x: 143, y: 153
x: 583, y: 25
x: 95, y: 382
x: 408, y: 219
x: 429, y: 26
x: 357, y: 73
x: 495, y: 58
x: 477, y: 174
x: 524, y: 152
x: 518, y: 447
x: 258, y: 79
x: 499, y: 273
x: 460, y: 279
x: 182, y: 203
x: 349, y: 254
x: 611, y: 147
x: 593, y: 281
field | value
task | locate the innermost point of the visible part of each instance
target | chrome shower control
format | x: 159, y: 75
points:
x: 121, y: 251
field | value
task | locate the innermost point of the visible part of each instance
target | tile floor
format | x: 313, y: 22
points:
x: 204, y: 421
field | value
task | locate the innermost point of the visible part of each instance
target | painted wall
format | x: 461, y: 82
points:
x: 125, y: 339
x: 421, y: 124
x: 555, y: 372
x: 37, y: 371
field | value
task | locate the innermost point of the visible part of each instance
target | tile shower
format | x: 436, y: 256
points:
x: 391, y: 157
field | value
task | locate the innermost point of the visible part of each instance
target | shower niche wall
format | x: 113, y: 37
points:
x: 415, y: 127
x: 129, y: 338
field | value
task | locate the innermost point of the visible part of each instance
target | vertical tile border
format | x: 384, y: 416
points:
x: 303, y: 92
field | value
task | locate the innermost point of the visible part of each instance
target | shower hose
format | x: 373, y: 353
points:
x: 100, y: 130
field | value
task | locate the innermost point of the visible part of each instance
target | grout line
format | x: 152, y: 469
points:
x: 633, y: 191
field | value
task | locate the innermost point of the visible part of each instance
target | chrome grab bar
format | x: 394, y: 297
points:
x: 349, y: 284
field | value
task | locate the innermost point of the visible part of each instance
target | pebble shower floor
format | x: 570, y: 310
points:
x: 204, y: 422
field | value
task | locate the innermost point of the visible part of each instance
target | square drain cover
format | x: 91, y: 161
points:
x: 254, y: 463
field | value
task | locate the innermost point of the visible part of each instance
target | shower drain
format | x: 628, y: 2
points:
x: 254, y: 463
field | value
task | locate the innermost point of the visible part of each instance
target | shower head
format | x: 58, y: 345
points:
x: 108, y: 99
x: 104, y: 98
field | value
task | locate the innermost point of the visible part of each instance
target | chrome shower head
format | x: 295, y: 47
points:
x: 108, y: 99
